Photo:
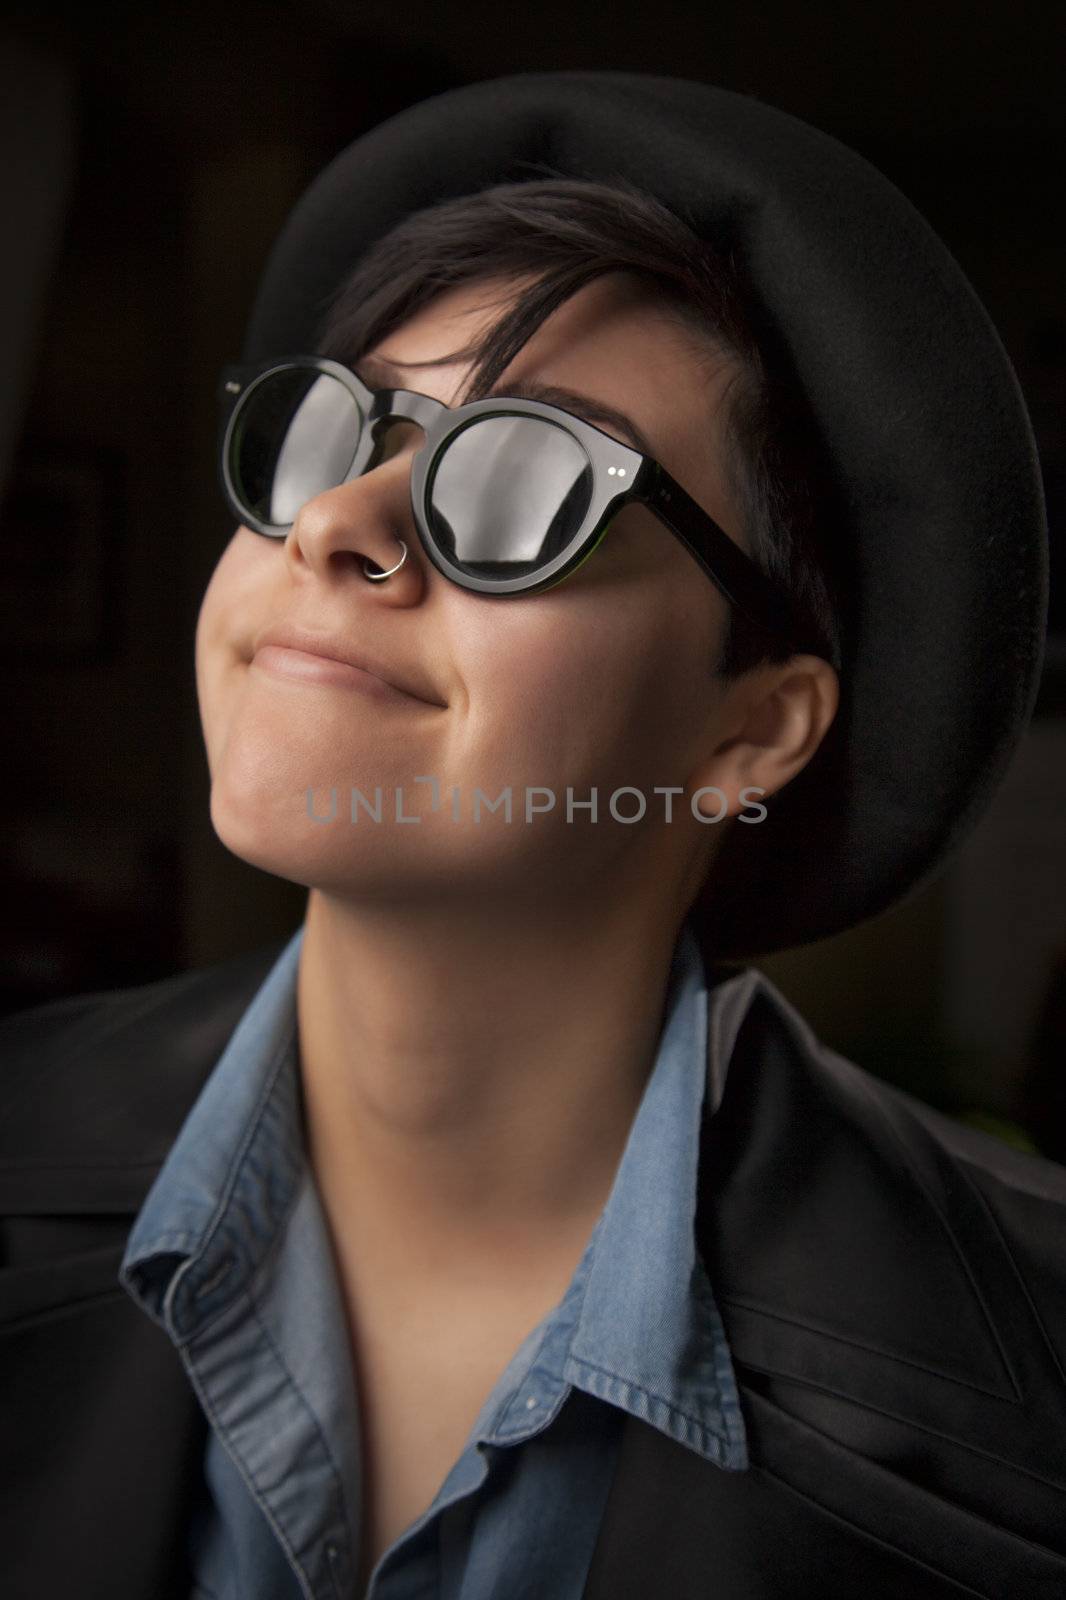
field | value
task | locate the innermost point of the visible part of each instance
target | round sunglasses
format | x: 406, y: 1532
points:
x: 509, y: 496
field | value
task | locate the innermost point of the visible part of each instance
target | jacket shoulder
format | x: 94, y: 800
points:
x: 99, y: 1083
x: 838, y: 1202
x: 756, y: 1008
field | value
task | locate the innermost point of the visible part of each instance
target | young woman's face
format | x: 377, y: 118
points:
x: 604, y: 682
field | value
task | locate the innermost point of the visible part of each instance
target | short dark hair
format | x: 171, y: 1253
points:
x: 562, y: 233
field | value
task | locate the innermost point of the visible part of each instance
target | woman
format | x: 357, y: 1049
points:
x: 507, y: 1215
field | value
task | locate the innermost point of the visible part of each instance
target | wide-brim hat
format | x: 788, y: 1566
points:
x: 933, y: 463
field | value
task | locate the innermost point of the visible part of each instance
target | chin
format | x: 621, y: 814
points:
x: 283, y: 840
x: 273, y: 833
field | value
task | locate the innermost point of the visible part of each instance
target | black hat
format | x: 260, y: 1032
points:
x: 918, y: 409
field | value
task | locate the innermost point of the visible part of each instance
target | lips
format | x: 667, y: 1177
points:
x: 293, y: 637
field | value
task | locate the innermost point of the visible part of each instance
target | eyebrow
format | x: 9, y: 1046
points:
x: 373, y: 368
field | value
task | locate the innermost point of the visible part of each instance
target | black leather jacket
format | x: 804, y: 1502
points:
x: 893, y: 1286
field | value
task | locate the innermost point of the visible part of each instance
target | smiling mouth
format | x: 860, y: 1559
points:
x: 305, y: 666
x: 289, y: 648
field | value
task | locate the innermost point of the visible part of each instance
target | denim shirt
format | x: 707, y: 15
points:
x: 231, y: 1255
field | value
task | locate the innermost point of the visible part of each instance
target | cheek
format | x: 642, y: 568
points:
x: 594, y: 693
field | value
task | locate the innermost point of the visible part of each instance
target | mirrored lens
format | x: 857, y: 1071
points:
x: 295, y: 436
x: 508, y: 495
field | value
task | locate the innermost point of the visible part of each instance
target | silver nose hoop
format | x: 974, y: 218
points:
x: 379, y: 577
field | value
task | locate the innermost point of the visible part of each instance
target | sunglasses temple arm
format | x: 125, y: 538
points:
x: 735, y: 574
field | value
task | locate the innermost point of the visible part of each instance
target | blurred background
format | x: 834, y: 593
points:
x: 149, y: 155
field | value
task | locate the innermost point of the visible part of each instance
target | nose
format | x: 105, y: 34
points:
x: 365, y: 521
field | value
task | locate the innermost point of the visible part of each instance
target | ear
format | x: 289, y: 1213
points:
x: 774, y: 718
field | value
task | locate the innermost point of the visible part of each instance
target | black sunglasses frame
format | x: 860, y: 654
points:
x: 742, y: 583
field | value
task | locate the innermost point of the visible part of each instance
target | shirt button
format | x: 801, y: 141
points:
x: 530, y: 1403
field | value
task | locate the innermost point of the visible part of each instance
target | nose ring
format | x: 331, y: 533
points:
x: 379, y: 577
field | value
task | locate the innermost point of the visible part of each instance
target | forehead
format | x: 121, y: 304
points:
x: 612, y: 341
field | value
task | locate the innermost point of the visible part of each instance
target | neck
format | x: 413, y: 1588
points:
x: 469, y: 1084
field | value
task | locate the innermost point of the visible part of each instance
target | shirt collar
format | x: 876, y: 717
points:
x: 643, y: 1329
x: 231, y: 1175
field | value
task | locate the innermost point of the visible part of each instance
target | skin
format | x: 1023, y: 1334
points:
x: 480, y: 1006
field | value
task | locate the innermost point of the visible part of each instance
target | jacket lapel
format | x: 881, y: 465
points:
x: 841, y: 1241
x: 98, y: 1418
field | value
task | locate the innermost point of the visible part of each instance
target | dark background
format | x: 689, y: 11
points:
x: 149, y: 157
